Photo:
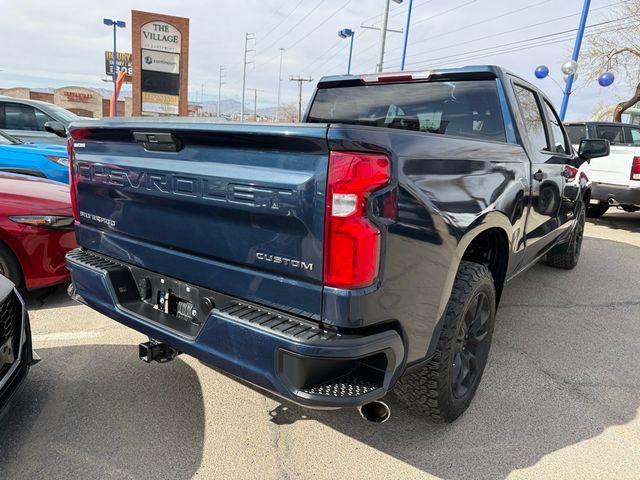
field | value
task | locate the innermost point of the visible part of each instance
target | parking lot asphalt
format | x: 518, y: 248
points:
x: 560, y: 397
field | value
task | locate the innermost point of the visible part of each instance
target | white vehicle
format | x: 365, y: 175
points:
x: 615, y: 178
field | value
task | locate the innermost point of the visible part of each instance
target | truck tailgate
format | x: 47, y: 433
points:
x: 614, y: 169
x: 237, y: 208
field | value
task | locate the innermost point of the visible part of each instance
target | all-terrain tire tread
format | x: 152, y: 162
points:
x: 423, y: 390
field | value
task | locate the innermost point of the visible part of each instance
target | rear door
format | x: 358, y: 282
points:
x: 547, y: 164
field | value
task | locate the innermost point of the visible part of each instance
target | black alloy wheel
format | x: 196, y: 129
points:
x: 471, y: 345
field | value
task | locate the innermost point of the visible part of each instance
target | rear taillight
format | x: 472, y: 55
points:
x: 570, y: 173
x: 352, y: 241
x: 73, y: 188
x: 635, y: 169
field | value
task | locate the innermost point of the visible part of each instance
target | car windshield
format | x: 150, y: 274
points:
x: 6, y: 139
x: 461, y: 108
x: 576, y: 133
x: 63, y: 114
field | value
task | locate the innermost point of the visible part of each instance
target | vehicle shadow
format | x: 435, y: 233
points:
x: 48, y: 297
x: 559, y: 373
x: 148, y: 425
x: 618, y: 220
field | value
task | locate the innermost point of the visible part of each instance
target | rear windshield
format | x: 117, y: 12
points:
x: 613, y: 133
x: 576, y: 133
x: 461, y: 108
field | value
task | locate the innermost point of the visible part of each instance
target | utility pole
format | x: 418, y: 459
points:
x: 300, y: 79
x: 255, y: 103
x: 279, y: 86
x: 383, y: 33
x: 247, y: 37
x: 220, y: 83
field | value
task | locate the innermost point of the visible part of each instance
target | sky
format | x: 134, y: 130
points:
x: 61, y: 43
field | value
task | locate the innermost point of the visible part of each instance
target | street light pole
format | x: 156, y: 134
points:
x: 574, y: 57
x: 406, y: 36
x: 348, y: 33
x: 116, y: 24
x: 279, y: 85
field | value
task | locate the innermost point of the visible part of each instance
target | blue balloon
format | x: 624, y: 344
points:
x: 542, y: 71
x: 606, y: 79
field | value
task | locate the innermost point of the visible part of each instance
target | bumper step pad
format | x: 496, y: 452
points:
x: 347, y: 386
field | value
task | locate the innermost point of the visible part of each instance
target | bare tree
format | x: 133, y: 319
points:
x: 289, y: 113
x: 617, y: 49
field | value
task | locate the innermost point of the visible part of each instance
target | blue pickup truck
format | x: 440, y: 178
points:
x: 330, y: 262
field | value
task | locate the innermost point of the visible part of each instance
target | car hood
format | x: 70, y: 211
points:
x: 37, y: 148
x: 24, y: 195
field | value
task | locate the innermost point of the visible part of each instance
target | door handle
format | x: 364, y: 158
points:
x: 539, y: 175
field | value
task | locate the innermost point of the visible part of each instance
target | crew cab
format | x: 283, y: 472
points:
x: 616, y: 178
x: 332, y: 261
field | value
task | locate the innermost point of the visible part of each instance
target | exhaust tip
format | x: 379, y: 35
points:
x: 376, y: 411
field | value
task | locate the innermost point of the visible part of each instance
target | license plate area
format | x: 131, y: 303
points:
x: 176, y: 305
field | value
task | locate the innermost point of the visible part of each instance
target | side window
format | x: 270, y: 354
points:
x: 41, y: 119
x: 635, y: 136
x: 3, y: 123
x: 532, y: 117
x: 559, y: 142
x: 613, y: 133
x: 20, y: 117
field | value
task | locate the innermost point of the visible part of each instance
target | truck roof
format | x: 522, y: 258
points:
x: 593, y: 122
x: 484, y: 71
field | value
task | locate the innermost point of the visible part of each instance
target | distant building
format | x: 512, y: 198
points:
x: 82, y: 101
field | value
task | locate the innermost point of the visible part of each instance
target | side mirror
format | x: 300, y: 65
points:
x: 592, y: 148
x: 56, y: 128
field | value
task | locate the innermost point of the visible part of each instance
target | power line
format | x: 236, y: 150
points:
x: 266, y: 35
x: 443, y: 13
x: 491, y: 19
x: 300, y: 40
x: 343, y: 46
x: 395, y: 12
x: 338, y: 45
x: 294, y: 27
x: 567, y: 35
x: 331, y: 16
x: 539, y: 37
x: 493, y: 35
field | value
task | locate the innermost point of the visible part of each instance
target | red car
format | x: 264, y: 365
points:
x: 36, y: 230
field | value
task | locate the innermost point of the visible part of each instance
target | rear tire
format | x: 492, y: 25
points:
x: 9, y: 266
x: 443, y: 389
x: 597, y: 210
x: 566, y: 255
